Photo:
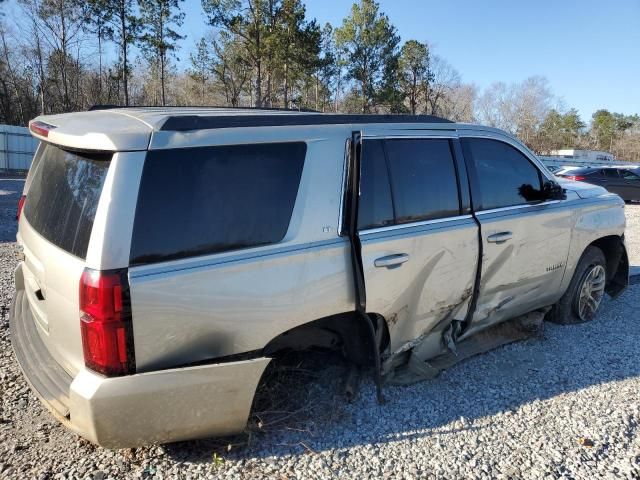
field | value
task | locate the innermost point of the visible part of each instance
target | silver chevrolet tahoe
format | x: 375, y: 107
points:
x: 169, y: 254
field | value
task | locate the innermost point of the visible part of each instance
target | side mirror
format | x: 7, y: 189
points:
x: 553, y: 191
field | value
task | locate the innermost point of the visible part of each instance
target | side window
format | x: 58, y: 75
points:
x: 374, y: 207
x: 423, y: 179
x: 610, y: 172
x: 204, y: 200
x: 630, y: 176
x: 505, y: 175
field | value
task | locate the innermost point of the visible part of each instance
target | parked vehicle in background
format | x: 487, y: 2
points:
x: 564, y: 170
x: 623, y: 181
x: 170, y: 254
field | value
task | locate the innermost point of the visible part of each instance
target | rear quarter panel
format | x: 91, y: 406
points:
x: 222, y: 304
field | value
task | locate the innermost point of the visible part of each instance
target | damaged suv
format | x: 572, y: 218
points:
x: 170, y: 253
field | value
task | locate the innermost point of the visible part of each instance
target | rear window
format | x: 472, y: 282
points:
x: 375, y: 208
x: 63, y: 195
x: 406, y: 180
x: 199, y: 201
x: 423, y: 179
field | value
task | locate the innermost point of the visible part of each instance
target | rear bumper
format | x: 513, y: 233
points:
x: 135, y: 410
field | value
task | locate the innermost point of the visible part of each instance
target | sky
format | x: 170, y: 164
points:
x: 589, y: 50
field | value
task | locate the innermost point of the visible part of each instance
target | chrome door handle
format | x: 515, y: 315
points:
x: 500, y: 237
x: 391, y: 260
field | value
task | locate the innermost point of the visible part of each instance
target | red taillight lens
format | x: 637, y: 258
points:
x: 20, y: 206
x: 41, y: 128
x: 105, y: 322
x: 577, y: 178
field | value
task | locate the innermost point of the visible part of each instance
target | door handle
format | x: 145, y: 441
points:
x: 391, y: 260
x: 499, y: 237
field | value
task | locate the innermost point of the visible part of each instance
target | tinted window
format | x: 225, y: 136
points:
x: 375, y: 208
x: 63, y: 196
x: 505, y: 175
x: 610, y: 172
x: 630, y: 176
x: 423, y: 179
x: 204, y: 200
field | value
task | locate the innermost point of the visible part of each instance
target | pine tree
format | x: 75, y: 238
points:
x: 159, y: 39
x: 414, y: 72
x: 201, y: 66
x: 369, y: 43
x: 246, y: 21
x: 121, y: 26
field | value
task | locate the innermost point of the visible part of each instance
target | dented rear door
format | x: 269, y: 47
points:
x: 419, y: 243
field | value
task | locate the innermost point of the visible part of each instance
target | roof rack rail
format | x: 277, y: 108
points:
x: 183, y: 123
x: 221, y: 107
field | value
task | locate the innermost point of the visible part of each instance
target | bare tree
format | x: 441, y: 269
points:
x: 10, y: 84
x: 59, y: 23
x: 444, y: 80
x: 518, y: 108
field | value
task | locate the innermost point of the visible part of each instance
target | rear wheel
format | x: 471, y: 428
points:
x: 585, y: 293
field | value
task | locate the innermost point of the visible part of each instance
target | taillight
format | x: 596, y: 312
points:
x: 20, y: 206
x: 577, y: 178
x: 105, y: 322
x: 40, y: 128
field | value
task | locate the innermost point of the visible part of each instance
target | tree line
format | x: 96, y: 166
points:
x: 58, y: 57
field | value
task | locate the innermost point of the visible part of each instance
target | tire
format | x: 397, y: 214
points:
x: 570, y: 309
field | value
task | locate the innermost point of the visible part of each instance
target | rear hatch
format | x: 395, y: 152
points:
x: 62, y: 194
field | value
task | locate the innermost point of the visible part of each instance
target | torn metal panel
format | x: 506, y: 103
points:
x: 433, y: 287
x: 417, y: 367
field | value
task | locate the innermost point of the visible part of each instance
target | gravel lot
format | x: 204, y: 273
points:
x: 563, y: 405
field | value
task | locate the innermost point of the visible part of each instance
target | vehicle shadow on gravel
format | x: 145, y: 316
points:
x: 306, y: 410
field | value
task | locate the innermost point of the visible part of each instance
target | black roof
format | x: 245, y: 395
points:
x: 181, y: 123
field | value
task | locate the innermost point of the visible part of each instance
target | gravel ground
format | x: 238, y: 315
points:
x: 563, y: 405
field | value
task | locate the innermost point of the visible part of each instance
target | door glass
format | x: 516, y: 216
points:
x: 610, y: 173
x: 374, y: 207
x: 630, y: 176
x: 423, y: 179
x: 506, y: 176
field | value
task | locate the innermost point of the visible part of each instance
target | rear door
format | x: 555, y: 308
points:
x: 611, y: 180
x: 631, y: 185
x: 62, y: 194
x: 419, y: 241
x: 525, y: 240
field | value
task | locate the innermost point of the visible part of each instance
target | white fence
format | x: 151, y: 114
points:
x: 17, y: 147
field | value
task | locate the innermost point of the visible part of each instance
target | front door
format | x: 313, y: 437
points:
x: 419, y: 242
x: 525, y: 240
